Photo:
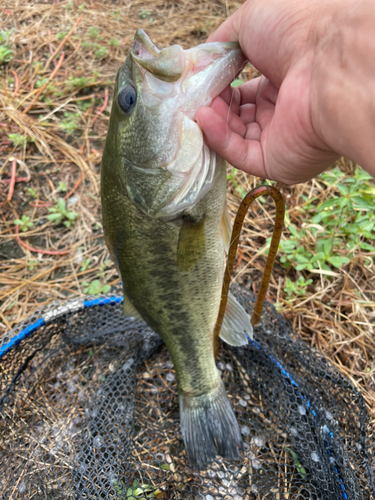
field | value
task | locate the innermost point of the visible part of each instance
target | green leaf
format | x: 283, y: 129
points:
x: 366, y: 246
x: 287, y: 246
x: 327, y: 245
x: 236, y: 83
x: 298, y: 465
x: 365, y: 224
x: 301, y: 259
x: 318, y: 256
x: 362, y: 203
x: 56, y: 217
x: 362, y: 175
x: 351, y: 228
x: 301, y: 267
x: 338, y: 261
x: 327, y: 204
x: 368, y: 234
x: 61, y: 204
x: 342, y: 188
x: 72, y: 215
x: 317, y: 218
x: 95, y: 286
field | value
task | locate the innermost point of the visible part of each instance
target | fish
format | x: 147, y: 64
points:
x: 167, y: 227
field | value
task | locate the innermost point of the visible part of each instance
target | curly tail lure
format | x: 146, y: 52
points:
x: 237, y: 227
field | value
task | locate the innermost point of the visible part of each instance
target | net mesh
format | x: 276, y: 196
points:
x: 89, y: 410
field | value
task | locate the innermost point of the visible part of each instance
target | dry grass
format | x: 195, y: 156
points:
x: 55, y: 69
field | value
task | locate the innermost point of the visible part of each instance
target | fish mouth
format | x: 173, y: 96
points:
x: 165, y: 64
x: 143, y: 46
x: 173, y: 63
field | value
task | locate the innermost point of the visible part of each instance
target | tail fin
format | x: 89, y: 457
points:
x: 209, y: 427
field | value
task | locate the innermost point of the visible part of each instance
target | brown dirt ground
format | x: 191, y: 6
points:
x: 41, y: 83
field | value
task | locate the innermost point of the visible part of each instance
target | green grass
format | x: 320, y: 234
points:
x: 61, y: 213
x: 6, y: 52
x: 19, y: 139
x: 335, y: 230
x: 135, y: 491
x: 24, y: 223
x: 297, y: 288
x: 95, y: 287
x: 70, y: 122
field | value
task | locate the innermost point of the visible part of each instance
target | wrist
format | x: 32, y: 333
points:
x: 343, y: 82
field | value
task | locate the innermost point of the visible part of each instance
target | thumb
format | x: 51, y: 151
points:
x: 229, y: 30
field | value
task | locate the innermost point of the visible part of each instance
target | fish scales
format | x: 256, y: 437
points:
x: 172, y: 302
x: 164, y: 201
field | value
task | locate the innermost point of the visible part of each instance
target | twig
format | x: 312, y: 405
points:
x: 16, y: 83
x: 63, y: 42
x: 74, y: 188
x: 39, y: 203
x: 12, y: 179
x: 58, y: 66
x: 18, y: 179
x: 100, y: 111
x: 38, y: 250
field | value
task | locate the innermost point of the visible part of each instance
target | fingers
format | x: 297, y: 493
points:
x: 243, y: 153
x: 253, y: 132
x: 247, y: 113
x: 249, y: 90
x: 232, y: 97
x: 246, y: 93
x: 231, y: 118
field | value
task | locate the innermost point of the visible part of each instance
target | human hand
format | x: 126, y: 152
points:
x: 265, y: 126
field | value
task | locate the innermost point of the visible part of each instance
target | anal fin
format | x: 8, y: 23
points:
x: 130, y: 310
x: 236, y: 326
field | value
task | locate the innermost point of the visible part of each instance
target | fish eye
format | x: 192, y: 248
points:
x: 127, y: 98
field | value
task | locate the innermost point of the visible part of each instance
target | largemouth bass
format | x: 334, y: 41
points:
x: 166, y: 224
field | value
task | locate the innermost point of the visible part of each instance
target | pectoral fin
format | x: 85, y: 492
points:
x: 236, y: 326
x: 130, y: 310
x: 191, y: 245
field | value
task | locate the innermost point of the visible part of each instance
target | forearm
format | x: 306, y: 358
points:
x: 343, y: 84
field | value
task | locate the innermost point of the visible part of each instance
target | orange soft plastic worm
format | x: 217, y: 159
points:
x: 237, y: 227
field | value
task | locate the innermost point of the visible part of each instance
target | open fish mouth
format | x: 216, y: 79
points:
x: 197, y: 67
x: 165, y: 64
